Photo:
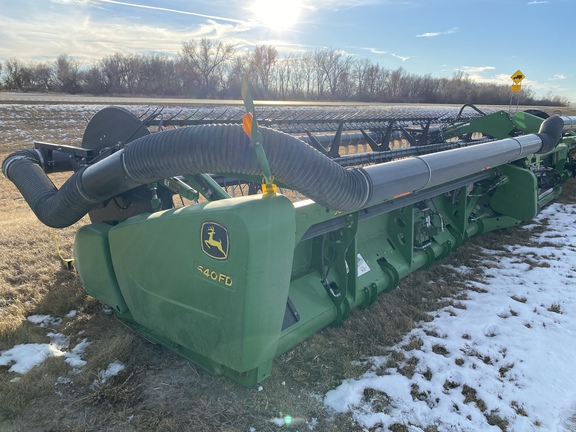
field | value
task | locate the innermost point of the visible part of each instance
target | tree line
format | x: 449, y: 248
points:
x: 207, y: 68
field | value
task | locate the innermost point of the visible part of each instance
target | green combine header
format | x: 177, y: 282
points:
x: 231, y: 237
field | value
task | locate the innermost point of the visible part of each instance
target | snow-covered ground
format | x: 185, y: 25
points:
x: 23, y: 357
x: 507, y: 359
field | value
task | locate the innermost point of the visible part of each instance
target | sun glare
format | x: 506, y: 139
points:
x: 277, y: 14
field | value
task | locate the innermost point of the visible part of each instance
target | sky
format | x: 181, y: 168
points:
x: 508, y: 349
x: 487, y: 39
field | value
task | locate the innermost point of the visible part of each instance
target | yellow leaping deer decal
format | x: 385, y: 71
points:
x: 214, y: 242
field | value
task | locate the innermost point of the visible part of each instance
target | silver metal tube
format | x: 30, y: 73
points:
x: 405, y: 176
x: 569, y: 123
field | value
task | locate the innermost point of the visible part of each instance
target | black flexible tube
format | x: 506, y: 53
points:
x: 225, y: 149
x: 193, y: 150
x: 550, y: 133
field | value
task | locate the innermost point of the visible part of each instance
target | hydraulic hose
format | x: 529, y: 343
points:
x: 213, y: 149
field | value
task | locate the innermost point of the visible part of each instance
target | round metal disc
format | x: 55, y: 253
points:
x: 111, y: 126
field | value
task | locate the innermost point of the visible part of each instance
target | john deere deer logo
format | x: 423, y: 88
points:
x: 214, y: 240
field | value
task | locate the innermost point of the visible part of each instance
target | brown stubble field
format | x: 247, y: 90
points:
x: 158, y: 390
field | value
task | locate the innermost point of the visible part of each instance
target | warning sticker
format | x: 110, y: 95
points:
x: 362, y: 266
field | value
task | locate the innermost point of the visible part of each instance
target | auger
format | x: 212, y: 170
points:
x: 240, y: 271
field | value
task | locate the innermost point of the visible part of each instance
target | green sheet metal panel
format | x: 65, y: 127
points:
x: 94, y: 265
x: 517, y: 198
x: 212, y: 278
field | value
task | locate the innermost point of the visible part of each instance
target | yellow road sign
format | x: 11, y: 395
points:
x: 516, y: 88
x: 517, y: 76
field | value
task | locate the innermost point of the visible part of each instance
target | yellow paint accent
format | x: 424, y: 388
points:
x: 215, y: 276
x: 269, y: 188
x: 215, y: 244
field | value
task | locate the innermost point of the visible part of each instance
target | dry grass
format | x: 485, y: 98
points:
x: 159, y: 391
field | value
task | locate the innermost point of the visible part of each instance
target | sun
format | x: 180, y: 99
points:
x: 277, y: 14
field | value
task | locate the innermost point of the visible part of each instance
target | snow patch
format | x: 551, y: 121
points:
x: 113, y: 369
x: 23, y: 357
x: 505, y: 356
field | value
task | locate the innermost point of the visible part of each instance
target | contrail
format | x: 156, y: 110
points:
x: 172, y: 10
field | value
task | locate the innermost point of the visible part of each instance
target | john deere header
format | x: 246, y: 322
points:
x: 286, y: 219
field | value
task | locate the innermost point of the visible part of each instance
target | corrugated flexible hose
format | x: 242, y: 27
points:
x: 216, y: 149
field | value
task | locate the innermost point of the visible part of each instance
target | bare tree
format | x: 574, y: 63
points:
x: 370, y: 80
x: 207, y: 68
x: 155, y: 75
x: 320, y: 76
x: 304, y: 76
x: 17, y: 75
x: 457, y: 89
x: 132, y: 68
x: 361, y: 68
x: 43, y: 77
x: 284, y: 76
x: 112, y: 68
x: 206, y: 62
x: 333, y: 68
x: 94, y: 81
x: 241, y: 68
x: 264, y: 58
x: 424, y: 89
x: 67, y: 74
x: 395, y: 83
